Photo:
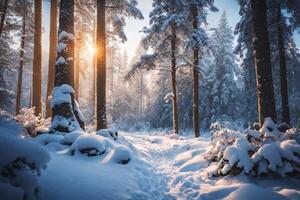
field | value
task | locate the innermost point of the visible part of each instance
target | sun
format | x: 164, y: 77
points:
x: 90, y: 49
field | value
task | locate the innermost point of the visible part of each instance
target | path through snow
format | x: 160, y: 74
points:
x: 162, y: 168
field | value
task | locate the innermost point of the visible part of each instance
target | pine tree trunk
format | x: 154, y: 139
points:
x: 196, y: 79
x: 64, y: 72
x: 77, y: 65
x: 285, y: 110
x: 20, y: 74
x: 64, y: 68
x: 264, y: 80
x: 101, y: 66
x: 37, y: 59
x: 52, y: 55
x: 3, y: 16
x: 173, y: 76
x: 95, y: 69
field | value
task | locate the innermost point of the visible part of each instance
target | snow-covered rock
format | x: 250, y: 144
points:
x: 121, y: 155
x: 91, y: 145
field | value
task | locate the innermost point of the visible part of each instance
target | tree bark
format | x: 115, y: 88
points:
x: 20, y: 74
x: 264, y: 80
x: 64, y: 68
x: 3, y: 16
x: 196, y: 121
x: 173, y: 76
x: 77, y: 65
x: 101, y: 66
x: 37, y: 59
x: 52, y: 55
x: 285, y: 110
x: 64, y: 71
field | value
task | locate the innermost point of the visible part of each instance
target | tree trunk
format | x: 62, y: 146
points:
x: 3, y: 16
x: 261, y: 47
x: 77, y: 65
x: 196, y: 79
x: 52, y: 55
x: 101, y: 66
x: 173, y: 76
x: 64, y: 68
x: 20, y: 75
x: 285, y: 110
x: 37, y: 59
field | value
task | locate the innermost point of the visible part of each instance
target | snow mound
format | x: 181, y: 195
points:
x: 69, y: 138
x: 108, y: 133
x: 90, y: 145
x: 250, y: 192
x: 45, y: 139
x: 21, y: 161
x: 121, y: 155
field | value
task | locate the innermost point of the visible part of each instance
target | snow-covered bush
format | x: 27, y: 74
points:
x: 90, y: 145
x: 21, y: 161
x: 252, y: 152
x: 108, y: 133
x: 33, y: 125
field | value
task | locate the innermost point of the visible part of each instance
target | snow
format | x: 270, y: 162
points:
x: 108, y: 133
x: 61, y: 47
x: 168, y: 97
x: 150, y: 166
x: 89, y: 144
x: 69, y: 138
x: 61, y: 94
x: 61, y: 60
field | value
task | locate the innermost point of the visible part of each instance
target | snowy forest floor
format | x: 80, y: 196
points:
x: 162, y: 167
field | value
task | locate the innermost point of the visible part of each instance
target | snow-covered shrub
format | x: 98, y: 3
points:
x: 21, y: 160
x: 90, y: 145
x: 108, y: 133
x: 33, y: 125
x: 254, y: 152
x: 121, y: 155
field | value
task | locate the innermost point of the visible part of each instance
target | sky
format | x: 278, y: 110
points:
x: 133, y: 27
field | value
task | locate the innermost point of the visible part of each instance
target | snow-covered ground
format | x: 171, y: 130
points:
x: 161, y: 167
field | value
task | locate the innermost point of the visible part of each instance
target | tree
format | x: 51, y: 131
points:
x: 264, y: 80
x: 3, y: 11
x: 65, y: 114
x: 101, y: 66
x: 52, y: 54
x: 106, y: 13
x: 37, y: 59
x: 225, y: 73
x: 285, y: 111
x: 22, y: 59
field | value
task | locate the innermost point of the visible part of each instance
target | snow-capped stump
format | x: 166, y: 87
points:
x: 45, y: 139
x: 67, y: 116
x: 69, y: 138
x: 108, y: 133
x: 90, y: 145
x: 121, y: 155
